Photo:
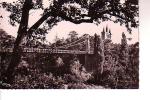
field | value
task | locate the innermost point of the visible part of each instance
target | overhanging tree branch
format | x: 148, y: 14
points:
x: 84, y: 18
x: 39, y: 22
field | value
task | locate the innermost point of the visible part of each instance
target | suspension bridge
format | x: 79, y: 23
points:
x: 60, y: 49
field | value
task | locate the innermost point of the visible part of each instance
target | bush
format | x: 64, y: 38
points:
x: 31, y: 77
x: 116, y: 76
x: 78, y: 72
x: 38, y: 81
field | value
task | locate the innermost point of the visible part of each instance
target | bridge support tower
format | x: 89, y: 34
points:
x: 87, y: 50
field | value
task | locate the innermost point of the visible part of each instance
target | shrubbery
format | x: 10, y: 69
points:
x: 70, y: 73
x: 78, y: 72
x: 28, y: 76
x: 120, y: 69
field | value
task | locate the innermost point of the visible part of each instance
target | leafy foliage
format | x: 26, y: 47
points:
x: 120, y: 70
x: 79, y: 11
x: 78, y: 72
x: 6, y: 40
x: 76, y: 11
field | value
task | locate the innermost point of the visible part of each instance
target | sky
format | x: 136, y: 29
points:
x: 63, y: 28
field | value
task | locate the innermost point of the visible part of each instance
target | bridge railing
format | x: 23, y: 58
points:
x: 58, y: 49
x: 37, y: 50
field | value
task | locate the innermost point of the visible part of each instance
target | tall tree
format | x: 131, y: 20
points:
x: 99, y: 53
x: 75, y: 11
x: 73, y: 36
x: 124, y: 51
x: 21, y: 33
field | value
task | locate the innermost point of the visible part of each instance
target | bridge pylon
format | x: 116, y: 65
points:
x: 87, y: 49
x: 88, y: 44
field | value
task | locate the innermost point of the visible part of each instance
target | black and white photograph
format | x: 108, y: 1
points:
x: 69, y: 44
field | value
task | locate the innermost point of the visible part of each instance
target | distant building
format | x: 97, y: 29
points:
x: 106, y: 33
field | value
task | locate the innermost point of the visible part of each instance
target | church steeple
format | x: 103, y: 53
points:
x: 103, y: 34
x: 107, y: 28
x: 109, y: 31
x: 109, y: 36
x: 106, y: 33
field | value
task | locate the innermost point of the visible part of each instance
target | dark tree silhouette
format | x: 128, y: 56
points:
x: 75, y: 11
x: 124, y: 51
x: 99, y: 53
x: 73, y: 36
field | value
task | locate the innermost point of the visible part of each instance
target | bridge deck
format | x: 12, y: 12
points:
x: 50, y: 51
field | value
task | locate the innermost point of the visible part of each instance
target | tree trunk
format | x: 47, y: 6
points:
x: 9, y: 75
